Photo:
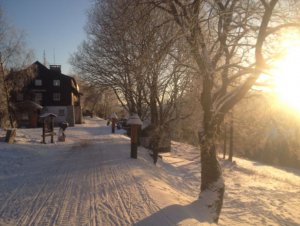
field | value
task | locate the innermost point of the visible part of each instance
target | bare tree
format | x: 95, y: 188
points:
x: 167, y: 76
x: 227, y: 43
x: 13, y: 56
x: 137, y: 56
x: 108, y: 58
x: 97, y: 100
x: 227, y: 40
x: 266, y: 131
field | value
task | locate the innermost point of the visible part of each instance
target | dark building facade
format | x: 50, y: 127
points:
x: 55, y: 92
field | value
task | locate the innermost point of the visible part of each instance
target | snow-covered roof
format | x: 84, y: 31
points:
x: 45, y: 115
x: 28, y: 104
x: 134, y: 120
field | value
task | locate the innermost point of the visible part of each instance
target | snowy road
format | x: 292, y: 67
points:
x: 90, y: 180
x: 79, y: 186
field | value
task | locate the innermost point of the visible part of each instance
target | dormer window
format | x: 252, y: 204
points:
x: 56, y: 82
x: 38, y: 82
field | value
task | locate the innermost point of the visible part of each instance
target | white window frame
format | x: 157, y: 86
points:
x: 38, y: 82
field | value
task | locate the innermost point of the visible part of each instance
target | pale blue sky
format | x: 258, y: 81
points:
x: 50, y: 25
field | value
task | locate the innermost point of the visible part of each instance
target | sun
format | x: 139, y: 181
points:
x: 286, y: 72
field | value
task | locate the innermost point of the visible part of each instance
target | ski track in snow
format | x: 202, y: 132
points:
x: 90, y: 180
x: 80, y: 186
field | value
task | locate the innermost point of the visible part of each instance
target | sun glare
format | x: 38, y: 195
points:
x: 286, y: 74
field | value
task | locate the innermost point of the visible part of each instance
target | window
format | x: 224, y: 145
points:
x: 20, y: 97
x: 38, y: 82
x: 56, y: 96
x: 61, y: 112
x: 38, y: 97
x: 56, y: 82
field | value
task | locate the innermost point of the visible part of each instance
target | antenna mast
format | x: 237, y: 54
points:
x: 54, y: 55
x: 44, y: 58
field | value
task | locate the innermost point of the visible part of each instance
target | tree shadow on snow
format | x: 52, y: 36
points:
x: 192, y: 214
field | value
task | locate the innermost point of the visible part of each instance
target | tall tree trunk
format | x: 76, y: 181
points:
x: 155, y: 137
x: 231, y: 140
x: 225, y: 141
x: 153, y: 102
x: 153, y: 110
x: 6, y: 93
x: 211, y: 175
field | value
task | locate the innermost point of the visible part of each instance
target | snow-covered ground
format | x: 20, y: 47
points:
x: 90, y: 180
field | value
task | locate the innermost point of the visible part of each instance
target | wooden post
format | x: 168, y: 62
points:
x: 134, y: 145
x: 44, y: 131
x: 48, y: 126
x: 135, y: 122
x: 52, y: 129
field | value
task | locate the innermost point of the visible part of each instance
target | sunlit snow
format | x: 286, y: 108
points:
x: 91, y: 180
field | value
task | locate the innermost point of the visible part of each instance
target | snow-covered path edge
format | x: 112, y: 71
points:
x: 90, y: 180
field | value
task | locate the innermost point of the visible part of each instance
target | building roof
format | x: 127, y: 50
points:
x: 28, y: 105
x: 41, y: 70
x: 45, y: 115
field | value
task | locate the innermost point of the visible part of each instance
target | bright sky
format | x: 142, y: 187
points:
x: 56, y: 26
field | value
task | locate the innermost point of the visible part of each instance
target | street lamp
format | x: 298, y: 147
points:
x: 135, y: 122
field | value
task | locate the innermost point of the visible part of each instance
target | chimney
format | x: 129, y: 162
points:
x: 56, y: 68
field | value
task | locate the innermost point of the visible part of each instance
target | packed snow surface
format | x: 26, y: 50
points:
x: 91, y: 180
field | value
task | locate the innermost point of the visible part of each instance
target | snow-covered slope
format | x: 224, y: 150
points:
x: 90, y: 180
